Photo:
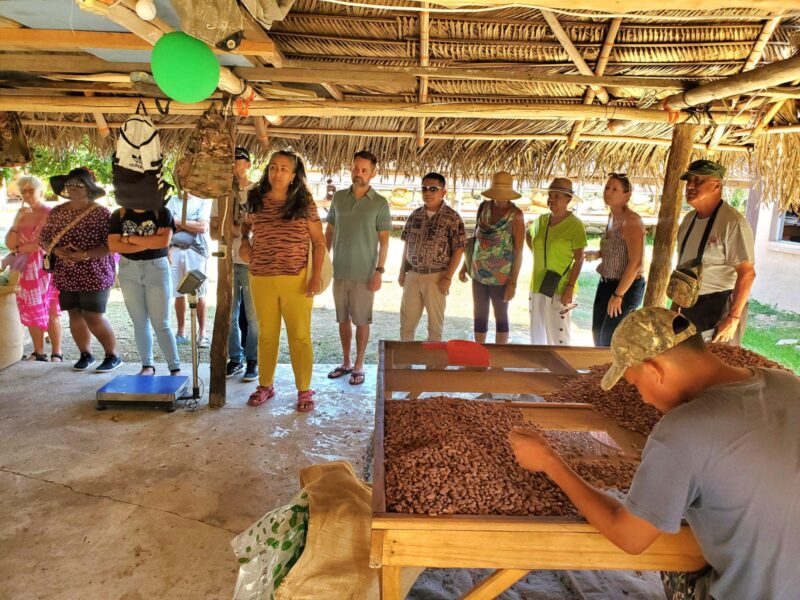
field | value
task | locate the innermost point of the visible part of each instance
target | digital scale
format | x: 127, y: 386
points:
x: 165, y: 390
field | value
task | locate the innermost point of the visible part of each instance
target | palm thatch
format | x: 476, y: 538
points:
x: 690, y: 46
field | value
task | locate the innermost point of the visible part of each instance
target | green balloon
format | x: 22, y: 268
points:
x: 184, y: 68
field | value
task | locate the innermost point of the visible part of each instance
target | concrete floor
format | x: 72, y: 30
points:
x: 138, y: 504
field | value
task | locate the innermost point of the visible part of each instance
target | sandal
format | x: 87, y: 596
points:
x: 174, y: 371
x: 37, y: 357
x: 305, y: 402
x: 261, y: 395
x: 357, y: 378
x: 56, y: 357
x: 148, y: 368
x: 339, y: 371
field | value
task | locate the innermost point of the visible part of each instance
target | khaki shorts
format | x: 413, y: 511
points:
x: 353, y: 302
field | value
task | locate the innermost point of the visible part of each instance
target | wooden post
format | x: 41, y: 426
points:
x: 222, y: 316
x: 668, y: 214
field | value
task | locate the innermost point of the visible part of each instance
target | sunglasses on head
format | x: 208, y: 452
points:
x: 618, y: 175
x: 431, y: 188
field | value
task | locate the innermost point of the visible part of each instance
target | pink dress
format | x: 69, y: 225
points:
x: 37, y: 296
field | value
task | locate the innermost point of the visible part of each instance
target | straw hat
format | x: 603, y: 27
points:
x: 562, y: 185
x: 502, y: 187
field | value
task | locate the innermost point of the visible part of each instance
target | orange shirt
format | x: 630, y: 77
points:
x: 280, y: 246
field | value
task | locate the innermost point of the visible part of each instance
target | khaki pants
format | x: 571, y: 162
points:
x: 421, y: 292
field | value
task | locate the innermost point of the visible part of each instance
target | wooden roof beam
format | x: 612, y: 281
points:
x: 65, y: 39
x: 599, y: 69
x: 328, y: 108
x: 773, y: 74
x: 752, y: 60
x: 424, y: 61
x: 573, y: 53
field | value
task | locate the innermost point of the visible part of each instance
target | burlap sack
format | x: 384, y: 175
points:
x: 335, y: 561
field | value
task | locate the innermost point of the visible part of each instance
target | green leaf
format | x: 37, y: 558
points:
x: 293, y: 521
x: 243, y: 560
x: 276, y: 571
x: 247, y: 549
x: 275, y: 527
x: 286, y: 545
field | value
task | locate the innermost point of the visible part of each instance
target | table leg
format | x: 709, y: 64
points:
x: 390, y: 583
x: 495, y: 584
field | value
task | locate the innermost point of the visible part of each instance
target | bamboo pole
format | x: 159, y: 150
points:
x: 297, y: 133
x: 752, y: 60
x: 599, y: 69
x: 770, y: 75
x: 330, y: 108
x: 668, y: 214
x: 424, y: 61
x: 770, y: 114
x: 572, y: 52
x: 102, y: 126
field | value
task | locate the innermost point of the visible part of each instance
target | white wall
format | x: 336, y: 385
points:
x: 777, y: 264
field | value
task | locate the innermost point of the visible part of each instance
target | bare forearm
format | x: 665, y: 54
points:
x: 575, y: 272
x: 741, y: 292
x: 149, y: 242
x: 193, y: 226
x: 455, y: 260
x: 383, y: 249
x: 628, y: 276
x: 98, y: 252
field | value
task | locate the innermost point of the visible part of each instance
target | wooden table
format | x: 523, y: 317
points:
x: 512, y: 546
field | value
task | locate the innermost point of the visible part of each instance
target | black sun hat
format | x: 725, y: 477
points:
x: 58, y: 182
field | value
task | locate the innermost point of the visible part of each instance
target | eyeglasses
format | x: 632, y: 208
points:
x: 75, y: 184
x: 431, y: 188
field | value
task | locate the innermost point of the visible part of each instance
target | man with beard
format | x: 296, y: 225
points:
x: 434, y: 239
x: 726, y: 257
x: 358, y: 229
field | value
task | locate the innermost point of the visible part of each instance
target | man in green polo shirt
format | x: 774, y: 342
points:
x: 358, y: 229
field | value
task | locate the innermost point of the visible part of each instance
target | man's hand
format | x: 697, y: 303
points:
x: 462, y: 274
x: 532, y: 451
x: 401, y: 279
x: 444, y: 284
x: 245, y: 250
x: 374, y: 282
x: 725, y: 329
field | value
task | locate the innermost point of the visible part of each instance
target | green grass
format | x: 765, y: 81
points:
x: 766, y: 326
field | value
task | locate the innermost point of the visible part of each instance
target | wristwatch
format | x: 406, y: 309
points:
x: 380, y: 270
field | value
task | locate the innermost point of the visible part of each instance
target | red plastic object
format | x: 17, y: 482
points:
x: 462, y: 353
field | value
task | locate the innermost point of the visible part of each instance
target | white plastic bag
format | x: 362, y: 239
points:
x: 269, y: 548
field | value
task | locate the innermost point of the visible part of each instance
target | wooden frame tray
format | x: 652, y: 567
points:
x: 511, y: 545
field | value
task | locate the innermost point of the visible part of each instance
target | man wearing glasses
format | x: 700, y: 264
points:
x: 435, y: 238
x: 358, y: 229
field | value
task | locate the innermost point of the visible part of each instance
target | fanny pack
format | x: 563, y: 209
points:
x: 552, y: 279
x: 684, y: 283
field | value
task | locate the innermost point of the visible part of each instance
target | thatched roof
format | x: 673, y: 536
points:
x: 381, y: 47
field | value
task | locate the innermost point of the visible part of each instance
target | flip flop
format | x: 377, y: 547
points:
x: 339, y: 371
x: 357, y: 378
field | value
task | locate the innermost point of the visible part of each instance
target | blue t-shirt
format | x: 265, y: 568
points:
x: 197, y: 209
x: 729, y: 462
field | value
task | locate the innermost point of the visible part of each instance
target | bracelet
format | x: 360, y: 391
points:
x: 616, y: 295
x: 732, y: 317
x: 85, y: 255
x: 512, y: 283
x: 572, y: 285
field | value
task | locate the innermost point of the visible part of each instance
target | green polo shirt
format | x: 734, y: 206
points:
x: 355, y: 235
x: 562, y: 240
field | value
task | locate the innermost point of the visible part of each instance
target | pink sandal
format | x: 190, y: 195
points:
x: 261, y: 395
x: 305, y: 402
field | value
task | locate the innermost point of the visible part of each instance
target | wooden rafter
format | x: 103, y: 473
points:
x: 572, y: 52
x: 424, y: 61
x: 752, y: 61
x: 329, y: 108
x: 599, y: 69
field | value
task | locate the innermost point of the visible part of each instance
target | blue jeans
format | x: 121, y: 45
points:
x: 147, y: 289
x: 241, y: 289
x: 603, y: 326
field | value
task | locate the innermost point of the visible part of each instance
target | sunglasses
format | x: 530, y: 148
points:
x: 431, y: 188
x: 618, y: 175
x: 75, y: 184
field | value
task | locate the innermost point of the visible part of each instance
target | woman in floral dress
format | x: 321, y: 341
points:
x: 37, y: 297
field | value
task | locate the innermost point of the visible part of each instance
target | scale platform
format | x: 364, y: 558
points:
x: 160, y: 391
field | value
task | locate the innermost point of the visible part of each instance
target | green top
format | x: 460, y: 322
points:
x: 355, y: 235
x: 562, y: 240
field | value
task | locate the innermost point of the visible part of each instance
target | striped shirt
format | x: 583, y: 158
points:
x: 280, y: 246
x: 614, y: 252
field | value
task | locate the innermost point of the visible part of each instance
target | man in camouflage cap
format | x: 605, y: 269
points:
x: 727, y: 257
x: 723, y: 456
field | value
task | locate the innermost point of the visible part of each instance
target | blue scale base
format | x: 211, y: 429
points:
x: 161, y: 391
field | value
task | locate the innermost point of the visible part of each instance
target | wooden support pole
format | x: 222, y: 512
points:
x: 262, y: 131
x: 599, y: 69
x: 669, y: 214
x: 329, y: 108
x: 770, y: 75
x: 424, y: 61
x: 572, y: 52
x: 102, y: 126
x: 770, y: 114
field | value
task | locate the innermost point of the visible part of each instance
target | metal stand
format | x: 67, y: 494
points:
x: 193, y: 299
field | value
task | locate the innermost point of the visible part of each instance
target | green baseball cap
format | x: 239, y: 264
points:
x: 704, y: 167
x: 643, y: 334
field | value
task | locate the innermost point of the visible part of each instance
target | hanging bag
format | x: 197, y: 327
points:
x: 684, y: 283
x: 205, y: 168
x: 551, y: 279
x: 14, y: 150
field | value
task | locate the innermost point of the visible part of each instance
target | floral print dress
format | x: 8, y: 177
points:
x: 493, y: 251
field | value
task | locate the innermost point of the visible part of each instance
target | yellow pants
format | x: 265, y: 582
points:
x: 284, y: 297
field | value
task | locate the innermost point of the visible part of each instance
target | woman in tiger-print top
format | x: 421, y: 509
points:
x: 282, y: 220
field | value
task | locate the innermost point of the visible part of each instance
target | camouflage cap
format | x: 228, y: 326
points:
x: 704, y: 167
x: 643, y: 334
